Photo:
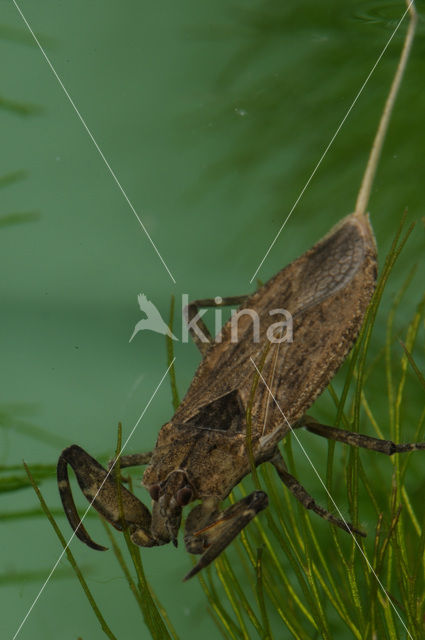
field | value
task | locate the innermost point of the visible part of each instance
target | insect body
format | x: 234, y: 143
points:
x: 204, y: 450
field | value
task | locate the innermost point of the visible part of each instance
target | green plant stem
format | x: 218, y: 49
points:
x: 73, y: 563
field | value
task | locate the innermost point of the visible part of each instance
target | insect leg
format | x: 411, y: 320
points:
x: 305, y: 498
x: 359, y: 440
x: 100, y: 489
x: 131, y: 460
x: 209, y: 531
x: 193, y: 308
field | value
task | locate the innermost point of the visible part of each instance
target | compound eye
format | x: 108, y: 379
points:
x: 184, y: 496
x: 154, y: 492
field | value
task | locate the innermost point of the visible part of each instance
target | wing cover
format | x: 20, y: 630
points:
x: 327, y: 291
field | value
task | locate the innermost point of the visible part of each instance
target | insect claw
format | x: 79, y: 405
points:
x: 223, y: 527
x: 193, y: 572
x: 68, y: 501
x: 100, y: 489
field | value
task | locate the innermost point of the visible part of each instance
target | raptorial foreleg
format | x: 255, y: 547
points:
x: 209, y: 531
x: 100, y: 488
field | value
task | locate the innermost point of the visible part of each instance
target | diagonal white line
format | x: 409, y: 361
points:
x: 99, y: 150
x: 332, y: 141
x: 91, y: 503
x: 331, y: 498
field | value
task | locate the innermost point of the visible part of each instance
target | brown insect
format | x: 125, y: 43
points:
x: 203, y: 452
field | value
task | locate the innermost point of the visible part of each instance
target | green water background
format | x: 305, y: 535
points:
x: 213, y: 116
